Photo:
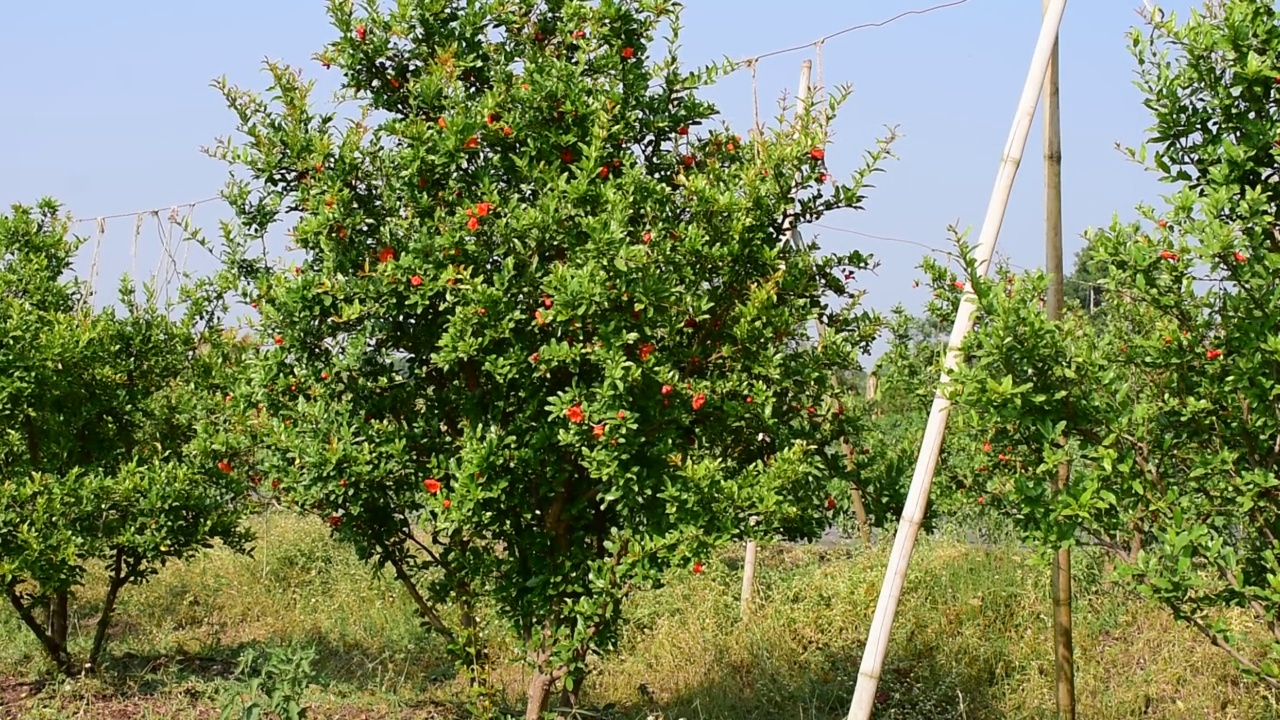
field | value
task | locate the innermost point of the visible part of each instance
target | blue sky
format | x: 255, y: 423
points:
x: 106, y: 106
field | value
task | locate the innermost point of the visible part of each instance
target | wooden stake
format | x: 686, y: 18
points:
x: 789, y: 234
x: 864, y: 694
x: 748, y: 577
x: 1060, y: 582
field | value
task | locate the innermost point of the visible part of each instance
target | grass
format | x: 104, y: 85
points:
x: 971, y: 641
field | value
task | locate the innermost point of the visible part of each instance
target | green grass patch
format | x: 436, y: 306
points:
x: 971, y: 641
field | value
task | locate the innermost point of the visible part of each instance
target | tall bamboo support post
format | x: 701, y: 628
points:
x: 864, y: 693
x: 1060, y: 582
x: 788, y: 235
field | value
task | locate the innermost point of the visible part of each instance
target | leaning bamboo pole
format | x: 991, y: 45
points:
x: 864, y: 693
x: 790, y: 235
x: 1060, y: 579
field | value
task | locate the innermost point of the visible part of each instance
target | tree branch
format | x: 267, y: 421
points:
x: 56, y: 653
x: 1236, y: 655
x: 424, y: 607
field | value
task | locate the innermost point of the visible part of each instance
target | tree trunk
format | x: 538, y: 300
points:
x: 57, y: 653
x: 58, y: 622
x: 539, y: 695
x: 118, y: 580
x: 569, y: 698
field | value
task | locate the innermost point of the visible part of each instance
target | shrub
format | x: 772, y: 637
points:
x: 99, y: 458
x: 545, y: 343
x: 1166, y: 395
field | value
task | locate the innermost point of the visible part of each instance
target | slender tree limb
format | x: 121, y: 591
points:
x: 119, y: 577
x: 56, y: 653
x: 427, y: 611
x: 1220, y: 642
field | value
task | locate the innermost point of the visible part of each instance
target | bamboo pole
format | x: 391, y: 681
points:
x: 1060, y: 579
x: 789, y: 234
x: 864, y: 693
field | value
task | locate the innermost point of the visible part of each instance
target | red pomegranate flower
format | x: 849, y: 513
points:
x: 645, y: 351
x: 1214, y: 354
x: 446, y: 503
x: 683, y: 130
x: 666, y: 389
x: 1240, y: 257
x: 598, y: 430
x: 567, y: 156
x: 432, y: 485
x: 628, y: 52
x: 547, y: 301
x: 483, y: 208
x: 473, y: 223
x: 604, y: 171
x: 360, y: 32
x: 817, y: 153
x: 986, y: 447
x: 699, y: 400
x: 441, y: 123
x: 687, y: 160
x: 622, y: 414
x: 575, y: 414
x: 471, y: 143
x: 831, y: 503
x: 697, y: 568
x: 959, y: 285
x: 386, y: 254
x: 1168, y: 255
x: 416, y: 280
x: 335, y: 520
x: 534, y: 358
x: 225, y: 466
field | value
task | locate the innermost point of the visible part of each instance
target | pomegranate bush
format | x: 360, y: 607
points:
x: 544, y: 343
x: 1166, y: 394
x: 906, y: 379
x: 100, y: 459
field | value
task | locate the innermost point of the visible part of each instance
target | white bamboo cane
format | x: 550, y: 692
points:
x: 864, y: 694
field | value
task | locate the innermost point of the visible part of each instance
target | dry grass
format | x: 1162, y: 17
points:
x: 971, y: 642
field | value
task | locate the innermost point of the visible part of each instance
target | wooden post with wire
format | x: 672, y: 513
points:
x: 789, y: 234
x: 864, y: 694
x: 1060, y: 582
